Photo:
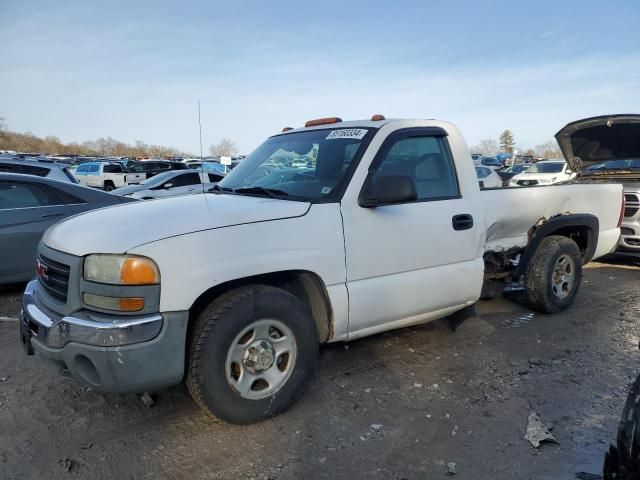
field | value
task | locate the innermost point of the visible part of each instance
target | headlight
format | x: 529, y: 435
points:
x: 121, y: 270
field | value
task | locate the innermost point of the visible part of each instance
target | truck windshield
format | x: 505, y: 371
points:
x: 311, y: 165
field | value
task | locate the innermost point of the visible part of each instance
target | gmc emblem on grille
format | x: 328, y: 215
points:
x: 41, y: 270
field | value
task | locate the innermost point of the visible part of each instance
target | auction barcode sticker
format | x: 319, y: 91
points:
x: 356, y: 133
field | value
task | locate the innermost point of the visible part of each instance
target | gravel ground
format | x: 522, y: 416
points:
x: 399, y: 405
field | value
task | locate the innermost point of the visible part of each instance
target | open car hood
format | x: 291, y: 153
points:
x: 598, y: 139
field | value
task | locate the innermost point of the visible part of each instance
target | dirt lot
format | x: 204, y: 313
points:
x: 400, y: 405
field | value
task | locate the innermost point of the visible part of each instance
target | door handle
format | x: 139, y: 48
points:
x: 52, y: 215
x: 463, y: 221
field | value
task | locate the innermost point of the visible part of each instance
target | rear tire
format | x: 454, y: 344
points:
x: 623, y: 462
x: 553, y: 275
x: 253, y: 351
x: 109, y: 186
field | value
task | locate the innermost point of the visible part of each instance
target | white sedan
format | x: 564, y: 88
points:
x: 547, y: 172
x: 487, y: 177
x: 171, y: 184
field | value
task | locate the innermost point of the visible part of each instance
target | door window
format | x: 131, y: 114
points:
x: 185, y: 180
x: 93, y: 169
x: 426, y: 160
x: 26, y: 169
x: 112, y: 169
x: 22, y: 195
x: 214, y: 177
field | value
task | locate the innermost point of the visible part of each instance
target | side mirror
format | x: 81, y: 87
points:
x: 389, y: 190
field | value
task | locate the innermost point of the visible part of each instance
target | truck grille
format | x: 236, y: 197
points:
x: 54, y: 277
x: 632, y: 204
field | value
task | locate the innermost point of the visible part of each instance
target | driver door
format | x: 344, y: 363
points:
x: 413, y: 261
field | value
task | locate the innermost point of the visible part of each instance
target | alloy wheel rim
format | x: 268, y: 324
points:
x: 563, y: 276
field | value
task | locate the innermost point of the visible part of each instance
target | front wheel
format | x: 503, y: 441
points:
x: 253, y: 351
x: 553, y: 275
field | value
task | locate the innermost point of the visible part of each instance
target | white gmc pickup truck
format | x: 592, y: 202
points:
x: 382, y: 226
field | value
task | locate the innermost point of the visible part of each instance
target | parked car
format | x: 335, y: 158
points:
x: 107, y: 176
x: 505, y: 158
x: 234, y: 290
x: 153, y: 167
x: 491, y: 162
x: 506, y: 174
x: 547, y: 172
x: 171, y: 184
x: 51, y: 170
x: 28, y: 206
x: 477, y: 158
x: 609, y: 148
x: 487, y: 177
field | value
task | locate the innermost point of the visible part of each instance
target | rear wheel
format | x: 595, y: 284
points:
x: 108, y: 186
x: 253, y: 352
x: 553, y: 275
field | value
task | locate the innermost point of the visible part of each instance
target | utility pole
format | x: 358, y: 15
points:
x: 200, y: 126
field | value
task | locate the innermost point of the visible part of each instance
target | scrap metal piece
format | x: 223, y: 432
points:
x: 537, y: 432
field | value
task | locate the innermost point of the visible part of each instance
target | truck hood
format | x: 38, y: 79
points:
x: 123, y: 227
x: 597, y: 139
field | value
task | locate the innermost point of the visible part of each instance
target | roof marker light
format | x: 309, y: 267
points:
x: 286, y: 129
x: 322, y: 121
x: 377, y: 117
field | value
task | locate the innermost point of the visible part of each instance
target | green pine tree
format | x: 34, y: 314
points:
x: 506, y: 141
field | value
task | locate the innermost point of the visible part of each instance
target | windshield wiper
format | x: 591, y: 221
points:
x: 269, y: 192
x: 218, y: 188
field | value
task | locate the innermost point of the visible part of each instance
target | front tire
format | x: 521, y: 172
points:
x: 253, y: 351
x: 553, y: 276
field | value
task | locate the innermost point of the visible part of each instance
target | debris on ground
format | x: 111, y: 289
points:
x: 537, y: 432
x: 147, y: 400
x: 67, y: 464
x: 3, y: 379
x: 451, y: 468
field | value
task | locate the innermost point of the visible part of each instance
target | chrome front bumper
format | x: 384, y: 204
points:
x: 89, y: 328
x: 115, y: 354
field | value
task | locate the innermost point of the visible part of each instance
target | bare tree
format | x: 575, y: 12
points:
x: 548, y: 149
x: 226, y: 148
x: 27, y: 142
x: 487, y: 147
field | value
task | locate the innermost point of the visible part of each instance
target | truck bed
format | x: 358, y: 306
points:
x: 511, y: 212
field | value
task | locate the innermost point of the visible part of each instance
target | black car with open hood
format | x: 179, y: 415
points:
x: 600, y: 139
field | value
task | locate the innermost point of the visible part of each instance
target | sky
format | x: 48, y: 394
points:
x: 135, y: 70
